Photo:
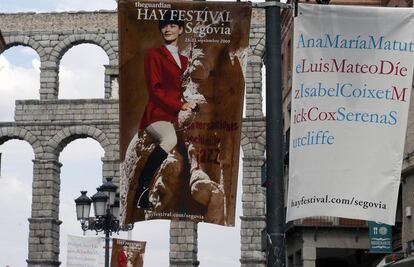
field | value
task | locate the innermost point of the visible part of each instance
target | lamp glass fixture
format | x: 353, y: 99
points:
x: 109, y: 189
x: 83, y: 206
x: 99, y: 203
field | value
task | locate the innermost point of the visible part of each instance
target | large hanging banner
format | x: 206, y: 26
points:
x: 127, y: 253
x: 85, y: 251
x: 182, y: 70
x: 352, y: 77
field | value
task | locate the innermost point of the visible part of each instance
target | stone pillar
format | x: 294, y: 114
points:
x: 44, y: 223
x: 49, y: 80
x: 183, y: 244
x: 253, y: 221
x: 309, y: 256
x: 254, y: 87
x: 110, y: 169
x: 111, y: 74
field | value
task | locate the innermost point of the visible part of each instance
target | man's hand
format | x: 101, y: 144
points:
x: 188, y: 106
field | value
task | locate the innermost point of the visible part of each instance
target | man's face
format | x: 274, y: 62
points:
x: 170, y: 32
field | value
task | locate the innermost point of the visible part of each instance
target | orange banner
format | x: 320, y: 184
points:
x: 127, y: 253
x: 182, y: 70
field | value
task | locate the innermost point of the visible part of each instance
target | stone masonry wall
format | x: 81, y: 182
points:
x: 52, y: 34
x: 253, y: 142
x: 49, y: 124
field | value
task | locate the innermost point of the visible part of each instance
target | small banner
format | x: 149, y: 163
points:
x: 352, y: 78
x: 127, y: 253
x: 85, y: 251
x: 182, y: 71
x: 380, y: 237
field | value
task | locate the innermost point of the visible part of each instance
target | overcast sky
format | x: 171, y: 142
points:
x: 82, y: 167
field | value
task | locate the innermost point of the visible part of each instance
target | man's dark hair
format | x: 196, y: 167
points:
x: 170, y: 18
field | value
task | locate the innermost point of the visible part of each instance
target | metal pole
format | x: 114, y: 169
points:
x: 107, y: 228
x: 275, y: 212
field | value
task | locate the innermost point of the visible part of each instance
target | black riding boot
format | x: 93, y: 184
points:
x: 157, y: 156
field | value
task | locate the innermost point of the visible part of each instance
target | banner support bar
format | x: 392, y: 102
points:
x: 271, y: 4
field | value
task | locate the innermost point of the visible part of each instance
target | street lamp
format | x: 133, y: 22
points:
x: 106, y: 209
x: 99, y: 201
x: 83, y: 206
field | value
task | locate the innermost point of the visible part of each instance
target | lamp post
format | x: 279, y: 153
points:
x: 106, y: 209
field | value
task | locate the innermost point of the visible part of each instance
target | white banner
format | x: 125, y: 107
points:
x: 85, y: 251
x: 352, y: 76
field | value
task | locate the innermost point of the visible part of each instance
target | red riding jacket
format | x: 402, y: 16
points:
x: 121, y: 259
x: 163, y: 79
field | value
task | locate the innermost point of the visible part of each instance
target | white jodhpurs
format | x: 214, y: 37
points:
x: 164, y: 133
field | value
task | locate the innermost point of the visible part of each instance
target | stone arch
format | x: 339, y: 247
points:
x: 12, y: 132
x: 261, y: 142
x: 62, y: 138
x: 246, y: 145
x: 253, y: 148
x: 12, y: 41
x: 258, y: 48
x: 63, y: 46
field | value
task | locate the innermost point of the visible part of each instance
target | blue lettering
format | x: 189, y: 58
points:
x: 393, y: 120
x: 340, y: 115
x: 301, y: 42
x: 298, y: 69
x: 343, y: 87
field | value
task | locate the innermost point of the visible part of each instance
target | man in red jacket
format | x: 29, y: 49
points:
x: 163, y: 69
